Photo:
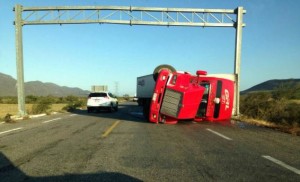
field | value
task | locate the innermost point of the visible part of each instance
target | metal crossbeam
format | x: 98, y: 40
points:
x: 130, y: 16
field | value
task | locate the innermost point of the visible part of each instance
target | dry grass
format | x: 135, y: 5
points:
x: 294, y: 129
x: 13, y: 108
x: 295, y: 101
x: 57, y: 107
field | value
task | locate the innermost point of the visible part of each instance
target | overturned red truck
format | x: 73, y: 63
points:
x: 179, y: 95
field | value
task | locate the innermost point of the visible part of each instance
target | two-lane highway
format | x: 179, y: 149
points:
x: 121, y: 146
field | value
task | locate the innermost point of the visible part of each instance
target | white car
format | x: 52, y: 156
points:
x: 102, y: 100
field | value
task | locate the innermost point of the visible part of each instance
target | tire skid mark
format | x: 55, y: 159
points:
x: 84, y: 128
x: 29, y: 157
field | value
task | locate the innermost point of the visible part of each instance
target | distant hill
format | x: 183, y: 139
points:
x: 7, y: 85
x: 37, y: 88
x: 272, y: 85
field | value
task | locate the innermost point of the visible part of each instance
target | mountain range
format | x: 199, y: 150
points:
x: 8, y: 88
x: 273, y: 84
x: 37, y: 88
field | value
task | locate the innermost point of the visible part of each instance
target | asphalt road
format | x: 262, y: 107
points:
x: 121, y: 146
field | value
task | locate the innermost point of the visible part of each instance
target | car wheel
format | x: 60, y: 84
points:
x: 116, y: 107
x: 111, y: 109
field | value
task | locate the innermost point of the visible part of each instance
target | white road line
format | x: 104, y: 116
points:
x: 10, y: 130
x: 282, y: 164
x: 219, y: 134
x: 51, y: 120
x: 73, y: 114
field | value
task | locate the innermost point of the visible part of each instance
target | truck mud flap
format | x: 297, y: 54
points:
x: 218, y: 95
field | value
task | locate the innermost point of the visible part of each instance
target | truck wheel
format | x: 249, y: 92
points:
x: 146, y: 109
x: 161, y: 67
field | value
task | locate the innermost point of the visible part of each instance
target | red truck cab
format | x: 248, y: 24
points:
x: 180, y: 95
x: 176, y: 97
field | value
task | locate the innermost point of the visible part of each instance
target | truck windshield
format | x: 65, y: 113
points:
x: 203, y: 104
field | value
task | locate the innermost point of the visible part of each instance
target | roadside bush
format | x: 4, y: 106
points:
x: 288, y: 114
x: 73, y: 103
x: 8, y: 100
x: 254, y: 104
x: 287, y: 91
x: 41, y: 107
x: 270, y: 107
x: 31, y: 99
x: 7, y: 118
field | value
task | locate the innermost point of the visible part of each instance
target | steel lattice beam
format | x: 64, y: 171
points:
x: 128, y: 15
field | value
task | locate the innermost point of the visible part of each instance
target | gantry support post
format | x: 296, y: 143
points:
x: 237, y: 59
x: 19, y: 59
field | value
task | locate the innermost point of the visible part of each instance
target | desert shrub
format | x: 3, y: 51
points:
x: 289, y: 114
x: 8, y: 100
x: 270, y: 107
x: 31, y: 99
x: 254, y: 104
x: 275, y: 111
x: 60, y: 100
x: 286, y: 91
x: 51, y: 99
x: 73, y: 103
x: 7, y: 118
x: 41, y: 107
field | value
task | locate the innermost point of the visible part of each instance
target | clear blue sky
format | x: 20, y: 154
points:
x: 85, y: 55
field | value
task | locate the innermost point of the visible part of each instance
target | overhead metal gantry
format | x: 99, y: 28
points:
x: 127, y: 15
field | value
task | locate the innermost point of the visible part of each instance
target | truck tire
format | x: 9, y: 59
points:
x: 161, y: 67
x: 146, y: 108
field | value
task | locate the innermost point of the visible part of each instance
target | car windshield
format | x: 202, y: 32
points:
x: 98, y: 95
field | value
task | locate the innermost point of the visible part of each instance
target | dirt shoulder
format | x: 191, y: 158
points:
x: 292, y: 129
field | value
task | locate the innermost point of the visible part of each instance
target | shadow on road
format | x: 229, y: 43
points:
x: 9, y: 172
x: 128, y: 111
